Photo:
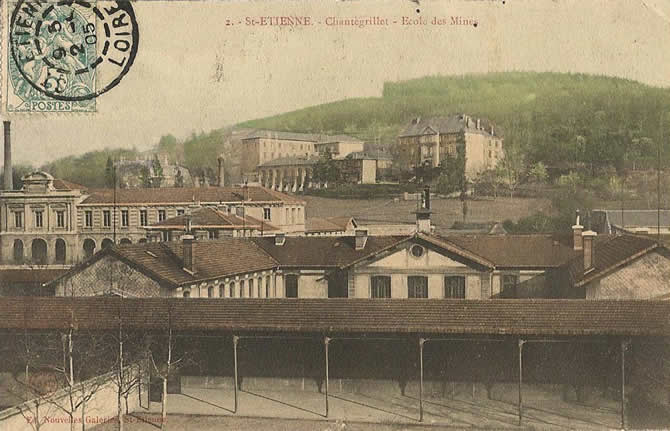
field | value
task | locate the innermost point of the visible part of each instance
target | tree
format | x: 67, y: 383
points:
x: 167, y: 144
x: 157, y: 169
x: 326, y: 169
x: 512, y: 167
x: 178, y: 179
x: 110, y: 173
x: 538, y: 173
x: 145, y: 177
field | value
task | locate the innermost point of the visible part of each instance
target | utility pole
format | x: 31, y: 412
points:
x: 658, y: 181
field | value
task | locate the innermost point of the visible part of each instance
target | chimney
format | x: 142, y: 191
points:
x: 8, y: 183
x: 361, y: 236
x: 189, y: 255
x: 577, y: 229
x: 589, y: 255
x: 221, y: 172
x: 280, y: 239
x: 423, y: 212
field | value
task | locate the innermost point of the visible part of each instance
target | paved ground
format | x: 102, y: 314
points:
x: 196, y: 406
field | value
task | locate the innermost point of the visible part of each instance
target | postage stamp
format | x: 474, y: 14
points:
x: 63, y: 54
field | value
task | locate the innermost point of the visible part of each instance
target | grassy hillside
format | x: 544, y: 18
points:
x: 543, y: 113
x: 559, y: 119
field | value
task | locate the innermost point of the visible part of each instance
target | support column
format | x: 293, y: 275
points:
x: 326, y: 342
x: 235, y: 341
x: 303, y: 174
x: 521, y: 343
x: 273, y: 173
x: 624, y: 347
x: 421, y: 342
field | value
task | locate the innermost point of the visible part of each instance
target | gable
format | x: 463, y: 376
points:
x: 406, y: 256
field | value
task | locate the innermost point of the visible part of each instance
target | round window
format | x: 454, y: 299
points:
x: 417, y: 251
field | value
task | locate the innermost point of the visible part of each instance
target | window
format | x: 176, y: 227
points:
x: 287, y: 215
x: 454, y: 286
x: 251, y: 288
x: 161, y: 215
x: 222, y: 290
x: 212, y: 234
x: 210, y: 292
x: 106, y: 218
x: 88, y: 218
x: 165, y: 235
x: 143, y: 217
x: 380, y: 286
x: 60, y: 218
x: 187, y: 293
x: 292, y: 215
x: 18, y: 219
x: 124, y: 218
x: 266, y: 214
x: 39, y: 218
x: 509, y: 283
x: 231, y: 292
x: 417, y: 286
x: 259, y: 286
x: 180, y: 212
x: 267, y: 286
x: 291, y: 286
x: 241, y: 289
x: 417, y: 250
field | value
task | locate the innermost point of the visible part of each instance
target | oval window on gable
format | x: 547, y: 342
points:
x: 417, y: 250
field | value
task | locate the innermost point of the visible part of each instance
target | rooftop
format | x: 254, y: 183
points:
x: 186, y: 195
x: 327, y: 224
x: 446, y: 125
x: 210, y: 218
x: 296, y: 136
x: 350, y: 316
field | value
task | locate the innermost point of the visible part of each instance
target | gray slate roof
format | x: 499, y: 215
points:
x: 444, y: 125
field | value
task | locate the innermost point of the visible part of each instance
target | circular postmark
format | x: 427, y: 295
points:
x: 71, y: 50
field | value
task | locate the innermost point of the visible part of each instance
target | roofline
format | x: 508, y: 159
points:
x: 619, y: 264
x: 252, y: 202
x: 454, y: 248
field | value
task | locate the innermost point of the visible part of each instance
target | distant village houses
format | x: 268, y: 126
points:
x: 152, y: 171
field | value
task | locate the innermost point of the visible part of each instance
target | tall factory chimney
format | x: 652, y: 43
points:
x: 222, y: 173
x: 8, y: 182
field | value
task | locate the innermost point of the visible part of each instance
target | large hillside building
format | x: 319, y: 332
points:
x: 429, y: 141
x: 51, y: 222
x: 263, y: 146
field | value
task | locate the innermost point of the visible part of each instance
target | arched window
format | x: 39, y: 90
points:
x: 89, y: 247
x: 252, y: 292
x: 291, y: 281
x: 39, y: 251
x: 210, y: 292
x: 231, y: 294
x: 60, y: 251
x: 268, y: 281
x: 125, y: 241
x: 187, y: 294
x: 259, y: 286
x: 142, y: 240
x: 222, y: 290
x: 241, y: 289
x: 18, y: 251
x: 107, y: 243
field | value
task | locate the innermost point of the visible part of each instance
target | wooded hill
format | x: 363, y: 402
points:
x: 563, y: 120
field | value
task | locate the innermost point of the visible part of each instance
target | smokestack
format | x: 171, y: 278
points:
x: 8, y: 181
x: 189, y: 255
x: 361, y: 238
x: 221, y: 172
x: 577, y: 229
x: 589, y: 254
x: 423, y: 212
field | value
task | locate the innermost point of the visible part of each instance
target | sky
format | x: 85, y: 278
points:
x: 193, y: 73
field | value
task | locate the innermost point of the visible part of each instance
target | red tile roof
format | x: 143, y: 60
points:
x: 609, y: 255
x: 519, y: 251
x: 187, y: 195
x: 344, y: 316
x: 60, y: 184
x: 327, y: 224
x: 209, y: 218
x: 30, y: 275
x: 325, y: 251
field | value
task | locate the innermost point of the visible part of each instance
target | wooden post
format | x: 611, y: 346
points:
x: 235, y: 340
x: 326, y: 341
x: 421, y: 342
x: 521, y: 343
x: 624, y: 346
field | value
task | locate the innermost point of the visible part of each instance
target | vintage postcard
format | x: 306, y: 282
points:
x: 335, y: 215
